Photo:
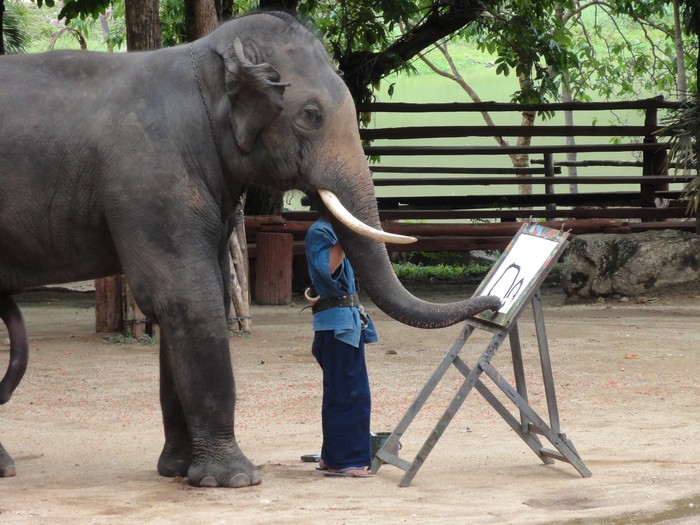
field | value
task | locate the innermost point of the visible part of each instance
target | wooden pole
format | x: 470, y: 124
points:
x: 108, y: 305
x: 240, y: 290
x: 273, y: 268
x: 134, y: 321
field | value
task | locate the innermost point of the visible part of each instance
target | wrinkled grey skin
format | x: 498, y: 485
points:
x: 108, y: 163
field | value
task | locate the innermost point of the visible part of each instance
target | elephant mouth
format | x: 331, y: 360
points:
x: 353, y: 223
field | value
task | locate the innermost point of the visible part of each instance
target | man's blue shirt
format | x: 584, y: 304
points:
x: 343, y: 320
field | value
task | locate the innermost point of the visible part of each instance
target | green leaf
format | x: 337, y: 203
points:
x: 503, y: 69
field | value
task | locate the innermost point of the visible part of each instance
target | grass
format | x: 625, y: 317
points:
x: 120, y: 339
x: 449, y: 272
x: 441, y: 272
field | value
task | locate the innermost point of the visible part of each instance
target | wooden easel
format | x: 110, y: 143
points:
x: 539, y: 248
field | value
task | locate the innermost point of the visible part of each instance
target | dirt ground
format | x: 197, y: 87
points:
x: 84, y: 426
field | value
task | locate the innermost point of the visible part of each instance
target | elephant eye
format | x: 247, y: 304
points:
x: 310, y: 117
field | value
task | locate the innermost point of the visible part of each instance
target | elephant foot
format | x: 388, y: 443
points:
x: 7, y: 466
x: 173, y: 463
x: 235, y: 474
x: 171, y: 467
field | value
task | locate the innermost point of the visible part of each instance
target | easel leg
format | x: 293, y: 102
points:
x: 389, y: 452
x: 528, y: 437
x: 566, y: 451
x: 457, y: 401
x: 521, y: 387
x: 546, y: 363
x: 441, y: 426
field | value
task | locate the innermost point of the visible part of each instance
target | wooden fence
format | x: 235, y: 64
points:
x: 443, y: 185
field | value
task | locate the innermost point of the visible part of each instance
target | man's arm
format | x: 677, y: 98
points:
x: 336, y: 256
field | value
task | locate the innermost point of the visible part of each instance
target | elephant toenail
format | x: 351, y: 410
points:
x: 208, y: 481
x: 239, y: 480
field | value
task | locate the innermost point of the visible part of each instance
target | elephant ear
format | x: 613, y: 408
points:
x: 255, y: 93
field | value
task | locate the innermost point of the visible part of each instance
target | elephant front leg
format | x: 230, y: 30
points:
x: 7, y: 466
x: 198, y: 399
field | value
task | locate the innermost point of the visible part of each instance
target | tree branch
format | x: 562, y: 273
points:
x: 363, y: 68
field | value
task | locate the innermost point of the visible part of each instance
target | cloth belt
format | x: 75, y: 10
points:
x: 332, y: 302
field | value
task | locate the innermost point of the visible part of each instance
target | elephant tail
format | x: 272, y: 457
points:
x: 19, y: 347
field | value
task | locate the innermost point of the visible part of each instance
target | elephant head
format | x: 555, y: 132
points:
x: 295, y: 123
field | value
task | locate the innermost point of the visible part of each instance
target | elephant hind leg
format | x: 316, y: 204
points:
x: 19, y: 352
x: 7, y: 466
x: 177, y: 455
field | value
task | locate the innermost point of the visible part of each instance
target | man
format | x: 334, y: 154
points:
x: 341, y: 330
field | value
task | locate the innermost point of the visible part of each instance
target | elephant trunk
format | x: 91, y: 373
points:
x: 373, y: 269
x: 19, y: 347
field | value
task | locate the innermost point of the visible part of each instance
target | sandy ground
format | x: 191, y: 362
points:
x: 84, y: 426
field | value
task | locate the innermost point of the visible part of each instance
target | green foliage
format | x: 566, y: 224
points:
x: 172, y: 22
x: 117, y: 26
x: 530, y: 41
x: 440, y: 272
x: 624, y: 56
x: 80, y: 8
x: 614, y: 48
x: 15, y: 37
x: 683, y: 131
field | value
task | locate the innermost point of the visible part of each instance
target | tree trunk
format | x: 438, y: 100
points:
x: 523, y: 159
x: 570, y: 141
x: 200, y: 18
x: 680, y: 60
x: 142, y: 25
x: 697, y: 145
x: 566, y: 96
x: 2, y: 34
x: 142, y: 33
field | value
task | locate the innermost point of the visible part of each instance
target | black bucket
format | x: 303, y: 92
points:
x: 378, y: 440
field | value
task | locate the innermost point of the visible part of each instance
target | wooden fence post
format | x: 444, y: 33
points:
x: 108, y: 304
x: 273, y: 268
x: 549, y: 172
x: 653, y: 163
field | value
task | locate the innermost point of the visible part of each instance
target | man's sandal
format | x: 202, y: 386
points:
x: 349, y: 472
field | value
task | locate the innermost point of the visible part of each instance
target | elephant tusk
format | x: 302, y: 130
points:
x: 348, y: 219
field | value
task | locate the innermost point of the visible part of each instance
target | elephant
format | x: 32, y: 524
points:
x: 134, y: 162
